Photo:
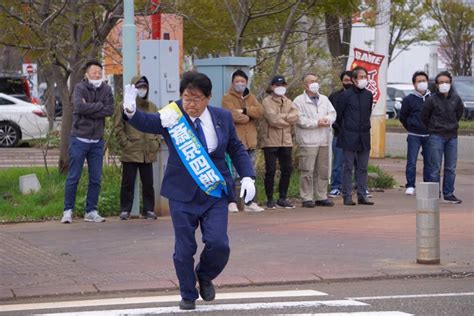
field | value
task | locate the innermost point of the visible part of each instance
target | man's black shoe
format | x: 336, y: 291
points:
x: 206, y: 290
x: 324, y: 203
x: 308, y: 204
x: 452, y: 199
x: 187, y: 305
x: 348, y: 201
x: 364, y: 201
x: 149, y: 215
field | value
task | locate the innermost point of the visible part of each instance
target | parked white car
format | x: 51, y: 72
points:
x: 20, y: 120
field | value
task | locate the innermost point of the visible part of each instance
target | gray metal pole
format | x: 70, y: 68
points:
x: 129, y: 60
x: 427, y: 223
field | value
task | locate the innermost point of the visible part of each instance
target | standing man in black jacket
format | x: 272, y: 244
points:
x: 353, y: 118
x: 410, y: 116
x: 337, y: 153
x: 441, y: 114
x: 93, y: 102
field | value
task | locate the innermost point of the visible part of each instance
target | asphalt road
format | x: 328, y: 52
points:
x: 395, y: 297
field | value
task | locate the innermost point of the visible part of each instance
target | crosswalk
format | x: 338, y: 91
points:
x: 254, y: 303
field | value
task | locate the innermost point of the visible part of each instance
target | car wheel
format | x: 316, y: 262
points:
x: 9, y: 134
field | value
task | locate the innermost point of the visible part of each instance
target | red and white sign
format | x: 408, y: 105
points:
x: 372, y: 63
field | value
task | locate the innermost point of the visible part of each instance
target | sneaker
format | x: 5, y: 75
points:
x: 452, y: 199
x: 93, y: 216
x: 149, y: 215
x: 124, y: 215
x: 67, y: 217
x: 367, y: 193
x: 233, y: 207
x: 335, y: 193
x: 284, y: 203
x: 410, y: 191
x: 253, y: 207
x: 270, y: 204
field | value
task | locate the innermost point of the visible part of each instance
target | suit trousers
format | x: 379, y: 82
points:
x: 211, y: 214
x: 129, y: 174
x: 362, y: 158
x: 314, y: 168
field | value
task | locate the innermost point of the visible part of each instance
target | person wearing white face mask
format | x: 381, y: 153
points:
x: 93, y: 102
x: 441, y: 114
x: 246, y: 112
x: 410, y: 117
x: 138, y: 152
x: 280, y: 115
x: 316, y: 115
x: 353, y: 117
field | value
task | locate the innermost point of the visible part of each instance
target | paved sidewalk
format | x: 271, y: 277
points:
x: 279, y: 246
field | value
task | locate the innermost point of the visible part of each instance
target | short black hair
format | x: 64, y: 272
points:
x: 356, y: 71
x: 196, y: 81
x: 345, y: 73
x: 419, y: 73
x: 240, y: 73
x: 444, y: 73
x: 92, y: 62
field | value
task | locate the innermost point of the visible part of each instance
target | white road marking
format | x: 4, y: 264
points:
x: 386, y: 313
x: 388, y: 297
x: 216, y: 308
x: 154, y: 299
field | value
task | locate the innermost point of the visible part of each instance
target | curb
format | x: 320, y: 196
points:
x: 85, y: 294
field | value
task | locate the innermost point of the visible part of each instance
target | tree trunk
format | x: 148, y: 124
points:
x: 338, y: 47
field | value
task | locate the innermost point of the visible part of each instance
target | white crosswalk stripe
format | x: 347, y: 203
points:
x: 220, y: 307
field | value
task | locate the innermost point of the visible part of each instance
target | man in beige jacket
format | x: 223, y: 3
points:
x: 280, y: 115
x: 313, y: 130
x: 246, y: 111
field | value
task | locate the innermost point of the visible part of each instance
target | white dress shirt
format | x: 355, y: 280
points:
x: 208, y: 129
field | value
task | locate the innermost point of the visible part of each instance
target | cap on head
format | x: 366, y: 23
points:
x: 141, y: 83
x: 278, y: 80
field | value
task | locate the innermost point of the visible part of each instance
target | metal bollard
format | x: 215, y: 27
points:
x: 427, y: 223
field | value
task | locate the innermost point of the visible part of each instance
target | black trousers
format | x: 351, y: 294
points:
x: 283, y: 154
x: 359, y: 160
x: 129, y: 173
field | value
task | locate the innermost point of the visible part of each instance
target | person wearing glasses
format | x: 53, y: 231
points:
x: 197, y: 181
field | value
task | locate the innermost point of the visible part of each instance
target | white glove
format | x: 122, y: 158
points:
x: 247, y: 189
x: 129, y: 97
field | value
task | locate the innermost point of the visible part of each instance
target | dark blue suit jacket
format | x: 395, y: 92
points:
x: 177, y: 183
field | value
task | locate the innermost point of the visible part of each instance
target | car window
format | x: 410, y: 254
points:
x: 6, y: 102
x: 391, y: 93
x: 11, y: 86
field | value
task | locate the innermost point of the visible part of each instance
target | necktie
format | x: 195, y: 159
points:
x: 200, y: 133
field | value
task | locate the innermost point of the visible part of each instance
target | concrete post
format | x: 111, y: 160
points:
x: 427, y: 223
x: 129, y: 60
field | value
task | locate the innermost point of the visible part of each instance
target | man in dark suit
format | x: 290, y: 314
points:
x: 353, y: 118
x: 190, y: 205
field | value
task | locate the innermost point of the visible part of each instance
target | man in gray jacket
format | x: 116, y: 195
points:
x: 93, y: 102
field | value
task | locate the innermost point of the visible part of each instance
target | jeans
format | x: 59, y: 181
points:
x: 78, y: 153
x: 439, y: 147
x: 337, y: 166
x: 129, y: 174
x: 283, y: 154
x: 414, y: 143
x: 362, y: 158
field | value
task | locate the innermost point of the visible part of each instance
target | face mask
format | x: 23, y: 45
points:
x: 142, y: 92
x: 362, y: 83
x: 347, y: 85
x: 280, y: 91
x: 444, y: 87
x: 422, y: 86
x: 240, y: 87
x: 314, y: 87
x: 96, y: 83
